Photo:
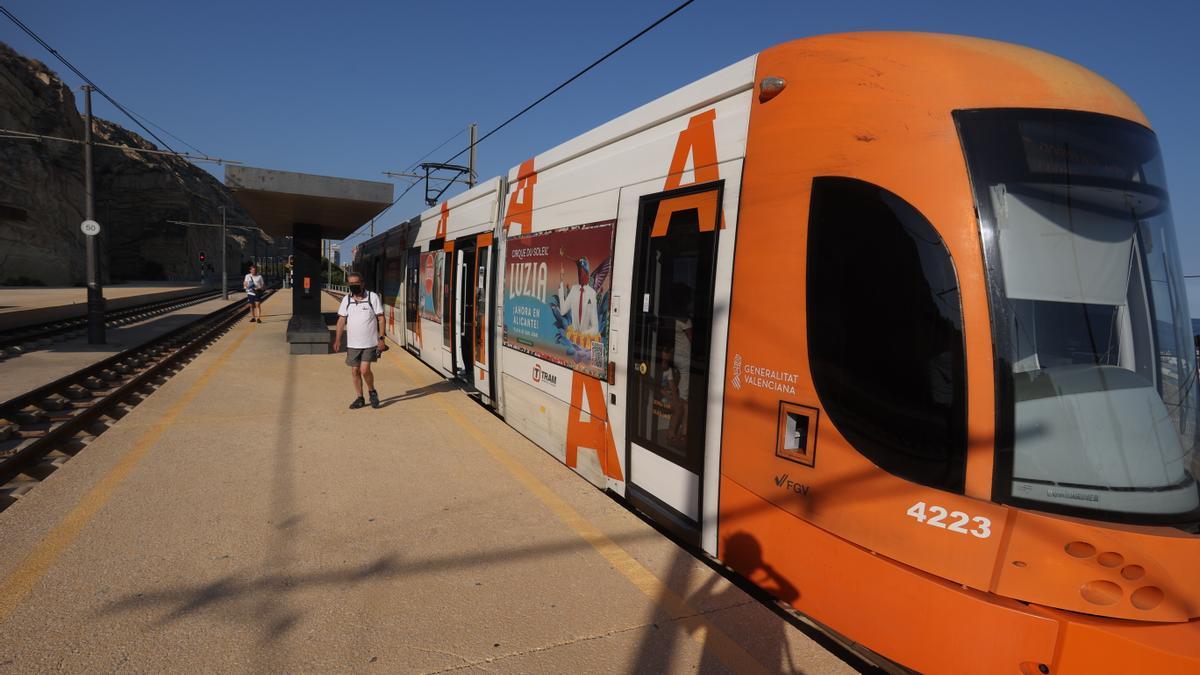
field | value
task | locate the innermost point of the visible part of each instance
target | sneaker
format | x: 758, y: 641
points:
x: 374, y: 399
x: 358, y: 403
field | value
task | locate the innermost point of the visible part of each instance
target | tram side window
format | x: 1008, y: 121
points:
x: 885, y: 332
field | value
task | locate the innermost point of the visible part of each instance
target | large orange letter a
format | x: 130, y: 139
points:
x: 700, y: 141
x: 594, y: 433
x: 520, y: 202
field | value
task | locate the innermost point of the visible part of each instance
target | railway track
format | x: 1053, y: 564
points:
x: 43, y: 428
x: 28, y: 338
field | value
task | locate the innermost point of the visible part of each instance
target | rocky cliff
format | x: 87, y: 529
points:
x: 41, y: 184
x: 41, y: 195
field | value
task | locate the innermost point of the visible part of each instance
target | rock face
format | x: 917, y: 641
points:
x: 41, y: 195
x: 41, y: 184
x: 138, y: 193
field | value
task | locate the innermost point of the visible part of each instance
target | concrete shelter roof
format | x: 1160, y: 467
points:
x: 277, y: 200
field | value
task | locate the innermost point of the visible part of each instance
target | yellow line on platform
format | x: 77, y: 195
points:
x: 21, y: 581
x: 701, y: 630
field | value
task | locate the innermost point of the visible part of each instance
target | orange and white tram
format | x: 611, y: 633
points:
x: 896, y: 317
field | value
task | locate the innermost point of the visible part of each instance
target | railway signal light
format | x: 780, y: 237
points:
x: 203, y: 257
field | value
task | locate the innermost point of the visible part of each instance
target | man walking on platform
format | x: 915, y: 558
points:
x: 361, y: 316
x: 254, y: 286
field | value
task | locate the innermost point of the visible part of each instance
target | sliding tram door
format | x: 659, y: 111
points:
x: 669, y: 354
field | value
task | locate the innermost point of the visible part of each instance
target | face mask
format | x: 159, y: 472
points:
x: 356, y: 289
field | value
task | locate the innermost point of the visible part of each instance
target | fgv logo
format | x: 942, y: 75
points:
x: 540, y: 375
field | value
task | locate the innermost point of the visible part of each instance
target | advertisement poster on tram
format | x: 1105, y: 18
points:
x: 432, y: 265
x: 557, y: 297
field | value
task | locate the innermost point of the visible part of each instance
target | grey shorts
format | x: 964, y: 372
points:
x: 357, y: 356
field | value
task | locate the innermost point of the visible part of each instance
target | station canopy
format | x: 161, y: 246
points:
x: 278, y: 200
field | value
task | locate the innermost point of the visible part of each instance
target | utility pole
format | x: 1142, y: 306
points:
x: 95, y: 291
x: 224, y: 278
x: 471, y: 163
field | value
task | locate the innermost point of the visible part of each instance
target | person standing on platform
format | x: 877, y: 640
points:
x: 254, y: 285
x: 360, y: 316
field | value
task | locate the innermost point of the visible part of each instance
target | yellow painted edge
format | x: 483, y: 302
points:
x: 46, y: 552
x: 697, y: 625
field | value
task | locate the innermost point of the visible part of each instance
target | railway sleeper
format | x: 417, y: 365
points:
x: 48, y: 465
x: 14, y: 490
x: 30, y: 417
x: 52, y: 404
x: 76, y: 444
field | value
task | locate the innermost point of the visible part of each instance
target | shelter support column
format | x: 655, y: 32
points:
x: 307, y: 332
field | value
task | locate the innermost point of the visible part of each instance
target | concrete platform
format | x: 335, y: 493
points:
x: 24, y: 306
x: 242, y: 519
x: 19, y: 374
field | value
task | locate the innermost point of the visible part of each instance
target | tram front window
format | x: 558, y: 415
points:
x: 1098, y: 392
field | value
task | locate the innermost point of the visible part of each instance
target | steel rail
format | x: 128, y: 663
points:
x: 50, y: 416
x: 12, y: 340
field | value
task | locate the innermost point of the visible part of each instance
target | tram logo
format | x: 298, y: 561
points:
x: 785, y: 481
x: 540, y: 375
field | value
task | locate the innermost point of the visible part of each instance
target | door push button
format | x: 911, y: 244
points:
x: 642, y: 368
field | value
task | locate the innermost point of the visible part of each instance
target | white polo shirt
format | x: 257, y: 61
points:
x: 362, y: 326
x: 253, y: 283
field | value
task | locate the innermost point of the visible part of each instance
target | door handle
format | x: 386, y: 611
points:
x: 642, y: 368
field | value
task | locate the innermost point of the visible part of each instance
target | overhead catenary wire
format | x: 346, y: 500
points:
x: 385, y: 209
x: 132, y: 116
x: 147, y: 121
x: 411, y: 185
x: 574, y: 77
x: 529, y: 107
x: 27, y: 136
x: 439, y: 147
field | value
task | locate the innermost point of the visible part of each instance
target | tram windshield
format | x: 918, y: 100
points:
x: 1098, y: 391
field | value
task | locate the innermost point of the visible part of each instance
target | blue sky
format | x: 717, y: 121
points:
x: 356, y: 88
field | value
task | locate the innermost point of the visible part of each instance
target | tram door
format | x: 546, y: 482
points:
x: 412, y: 299
x: 668, y: 354
x: 464, y: 309
x: 481, y: 373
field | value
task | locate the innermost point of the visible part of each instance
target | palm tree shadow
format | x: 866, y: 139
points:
x: 263, y: 596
